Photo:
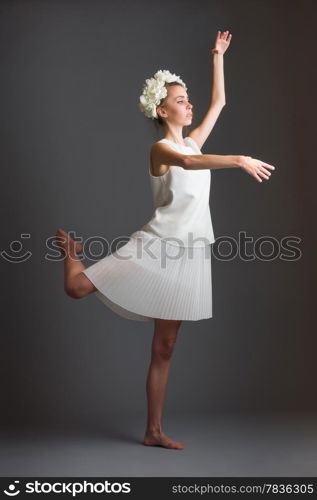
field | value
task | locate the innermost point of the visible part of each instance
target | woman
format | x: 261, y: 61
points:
x: 162, y: 285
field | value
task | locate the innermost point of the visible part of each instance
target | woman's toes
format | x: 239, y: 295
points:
x: 64, y: 239
x: 79, y: 247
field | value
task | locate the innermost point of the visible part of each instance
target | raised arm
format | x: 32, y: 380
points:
x: 162, y: 154
x: 218, y: 98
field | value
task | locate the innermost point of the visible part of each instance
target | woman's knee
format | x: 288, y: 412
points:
x: 79, y: 286
x: 164, y: 342
x: 163, y: 348
x: 74, y: 291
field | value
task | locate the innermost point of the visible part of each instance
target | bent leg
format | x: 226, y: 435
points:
x: 76, y: 283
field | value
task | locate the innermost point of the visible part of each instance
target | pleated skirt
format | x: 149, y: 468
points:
x: 148, y: 278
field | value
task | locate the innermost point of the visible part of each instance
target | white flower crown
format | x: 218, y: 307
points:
x: 154, y: 91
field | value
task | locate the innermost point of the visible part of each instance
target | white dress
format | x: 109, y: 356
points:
x: 164, y: 270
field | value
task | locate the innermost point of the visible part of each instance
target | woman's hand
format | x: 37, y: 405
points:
x: 222, y: 42
x: 256, y: 168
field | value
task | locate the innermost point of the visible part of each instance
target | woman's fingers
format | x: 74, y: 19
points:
x: 267, y: 165
x: 257, y: 177
x: 257, y: 168
x: 266, y: 176
x: 263, y: 172
x: 266, y: 172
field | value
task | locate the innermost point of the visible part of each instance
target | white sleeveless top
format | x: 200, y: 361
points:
x: 181, y: 199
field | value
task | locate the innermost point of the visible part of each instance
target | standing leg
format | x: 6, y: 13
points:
x: 165, y: 333
x: 76, y: 283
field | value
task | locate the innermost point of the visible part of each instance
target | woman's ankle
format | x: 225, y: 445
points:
x: 153, y: 429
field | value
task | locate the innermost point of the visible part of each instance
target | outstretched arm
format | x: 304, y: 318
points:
x: 218, y: 98
x: 162, y: 154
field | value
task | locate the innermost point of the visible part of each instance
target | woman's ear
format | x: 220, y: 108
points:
x: 161, y: 112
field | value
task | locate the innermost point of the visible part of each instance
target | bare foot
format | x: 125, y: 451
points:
x: 161, y: 439
x: 67, y: 243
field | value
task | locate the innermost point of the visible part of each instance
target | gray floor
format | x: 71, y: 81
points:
x: 216, y: 445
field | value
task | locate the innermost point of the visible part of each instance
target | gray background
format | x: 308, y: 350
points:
x: 75, y: 154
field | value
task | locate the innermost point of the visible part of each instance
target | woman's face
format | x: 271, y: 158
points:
x: 176, y: 108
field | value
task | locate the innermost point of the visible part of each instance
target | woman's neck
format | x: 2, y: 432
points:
x: 175, y: 136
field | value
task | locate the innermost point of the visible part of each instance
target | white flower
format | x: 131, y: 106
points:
x: 154, y: 91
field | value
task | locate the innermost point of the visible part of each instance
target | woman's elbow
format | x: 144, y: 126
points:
x: 186, y: 162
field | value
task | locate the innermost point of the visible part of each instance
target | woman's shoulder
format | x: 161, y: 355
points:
x: 178, y: 147
x: 192, y: 143
x: 189, y: 142
x: 175, y: 147
x: 165, y: 141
